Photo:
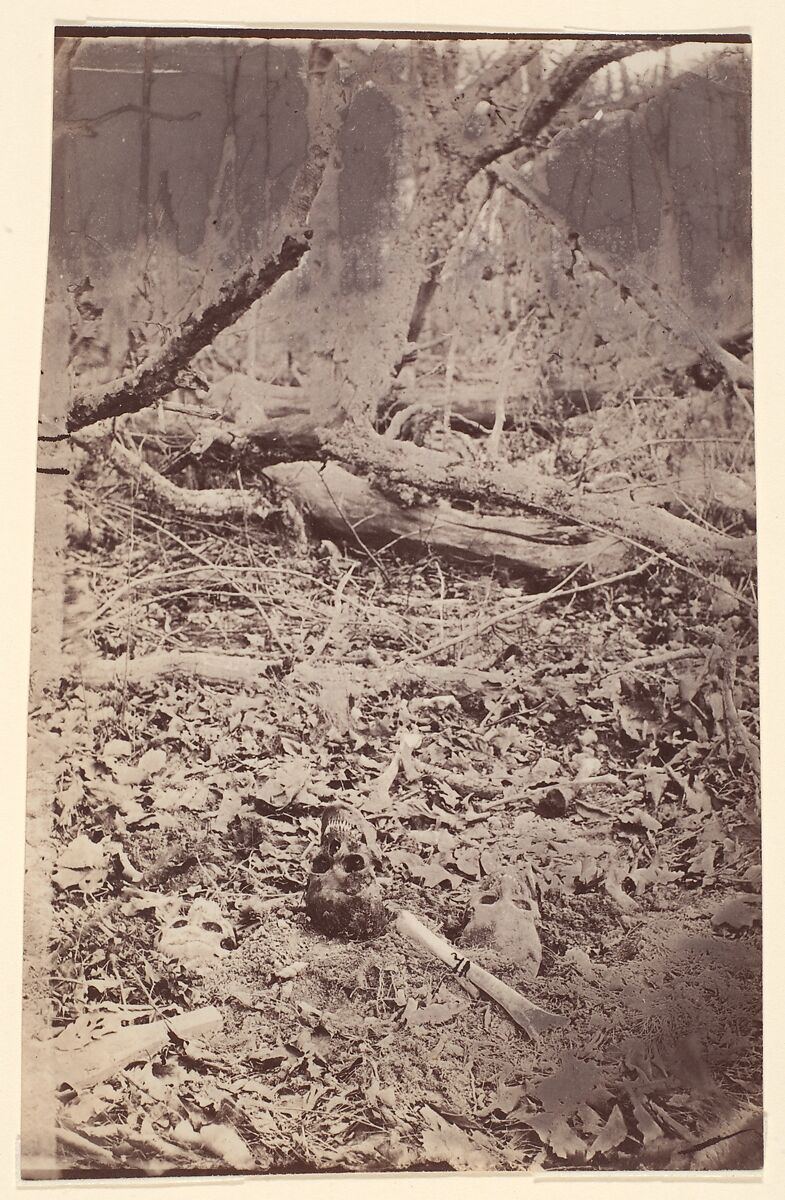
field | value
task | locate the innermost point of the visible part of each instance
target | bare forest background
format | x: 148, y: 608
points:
x: 173, y: 161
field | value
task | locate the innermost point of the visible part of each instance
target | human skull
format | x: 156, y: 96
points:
x: 198, y: 937
x: 502, y: 917
x: 342, y: 896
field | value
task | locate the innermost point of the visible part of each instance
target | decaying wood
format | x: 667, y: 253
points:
x: 397, y: 464
x: 205, y: 502
x: 347, y: 507
x: 351, y: 510
x: 214, y: 668
x: 256, y: 674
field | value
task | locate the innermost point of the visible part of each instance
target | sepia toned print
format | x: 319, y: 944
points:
x: 393, y: 763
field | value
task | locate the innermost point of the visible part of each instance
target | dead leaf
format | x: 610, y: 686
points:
x: 739, y: 913
x: 230, y: 807
x: 553, y: 1131
x: 697, y: 797
x: 640, y: 818
x: 83, y: 864
x: 611, y: 1136
x: 446, y: 1143
x: 507, y: 1098
x: 656, y: 781
x: 613, y: 886
x: 654, y: 874
x: 489, y: 862
x: 467, y: 862
x: 703, y: 863
x: 649, y: 1128
x: 545, y: 769
x: 152, y: 762
x: 117, y: 748
x: 379, y: 799
x: 432, y: 1014
x: 590, y: 1120
x: 690, y: 684
x: 431, y: 874
x: 586, y: 765
x: 69, y: 800
x: 410, y: 740
x: 576, y: 1082
x: 595, y: 715
x: 581, y: 961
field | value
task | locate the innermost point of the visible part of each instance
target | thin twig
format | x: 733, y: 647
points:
x: 656, y: 660
x: 532, y: 602
x: 219, y: 570
x: 335, y: 619
x: 732, y: 713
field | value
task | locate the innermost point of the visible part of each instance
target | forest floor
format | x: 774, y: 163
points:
x: 586, y: 739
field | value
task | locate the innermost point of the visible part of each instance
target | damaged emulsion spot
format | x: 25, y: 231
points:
x: 367, y: 185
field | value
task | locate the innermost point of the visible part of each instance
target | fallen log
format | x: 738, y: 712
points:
x: 347, y: 507
x: 173, y: 664
x: 569, y: 527
x: 521, y: 486
x: 255, y: 674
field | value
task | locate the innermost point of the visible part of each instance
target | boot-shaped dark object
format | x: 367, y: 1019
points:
x: 343, y: 897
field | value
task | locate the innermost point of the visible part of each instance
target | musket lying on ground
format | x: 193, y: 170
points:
x: 532, y: 1019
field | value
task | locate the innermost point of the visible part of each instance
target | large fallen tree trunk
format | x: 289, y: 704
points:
x: 397, y: 465
x: 349, y: 509
x: 395, y: 468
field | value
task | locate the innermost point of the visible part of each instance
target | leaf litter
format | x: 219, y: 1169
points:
x: 621, y: 790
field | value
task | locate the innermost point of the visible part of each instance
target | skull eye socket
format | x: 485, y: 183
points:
x: 353, y: 862
x: 180, y: 923
x: 212, y: 927
x: 488, y: 899
x: 320, y: 864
